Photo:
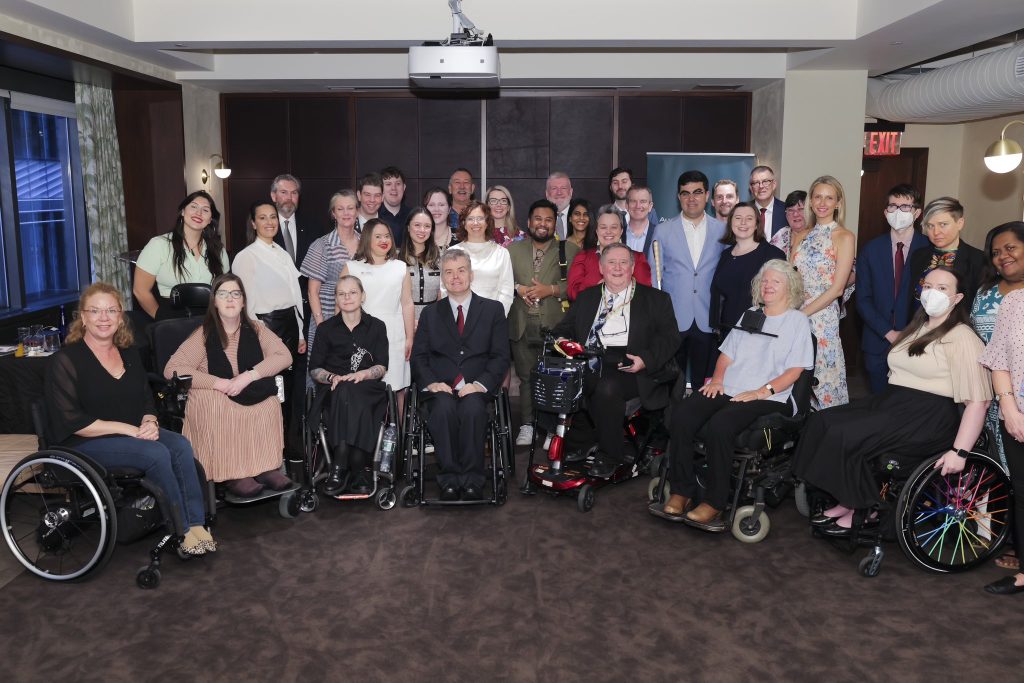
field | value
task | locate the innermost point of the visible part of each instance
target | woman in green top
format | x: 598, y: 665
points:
x: 191, y: 252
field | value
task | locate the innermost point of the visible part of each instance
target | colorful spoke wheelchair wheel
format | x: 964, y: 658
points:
x: 955, y: 522
x: 58, y: 516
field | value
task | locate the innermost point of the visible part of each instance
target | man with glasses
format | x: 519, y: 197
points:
x: 884, y: 284
x: 640, y: 228
x: 771, y: 209
x: 690, y: 246
x: 394, y: 212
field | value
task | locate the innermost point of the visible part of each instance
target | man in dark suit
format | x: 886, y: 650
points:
x: 394, y: 211
x: 883, y: 299
x: 639, y: 224
x: 636, y: 326
x: 292, y: 236
x: 459, y: 356
x: 771, y: 209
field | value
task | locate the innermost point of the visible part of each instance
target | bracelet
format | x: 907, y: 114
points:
x: 1004, y: 393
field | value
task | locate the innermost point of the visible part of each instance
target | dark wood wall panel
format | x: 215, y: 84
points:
x: 387, y: 134
x: 449, y: 137
x: 518, y: 137
x: 255, y: 137
x: 648, y: 124
x: 318, y: 138
x: 580, y: 143
x: 716, y: 124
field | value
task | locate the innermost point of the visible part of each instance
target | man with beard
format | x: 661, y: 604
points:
x: 724, y: 196
x: 292, y: 237
x: 540, y: 289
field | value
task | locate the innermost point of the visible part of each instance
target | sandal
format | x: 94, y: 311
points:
x: 192, y: 545
x: 1008, y: 560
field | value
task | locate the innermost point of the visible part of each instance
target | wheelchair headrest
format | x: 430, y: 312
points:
x: 165, y: 336
x: 190, y: 295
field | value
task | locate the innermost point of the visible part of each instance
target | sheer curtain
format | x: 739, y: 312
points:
x: 104, y: 193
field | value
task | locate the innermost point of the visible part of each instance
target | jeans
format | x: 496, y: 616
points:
x: 168, y: 462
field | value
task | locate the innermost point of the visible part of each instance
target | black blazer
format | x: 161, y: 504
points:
x: 305, y: 234
x: 653, y: 334
x: 480, y: 354
x: 969, y: 262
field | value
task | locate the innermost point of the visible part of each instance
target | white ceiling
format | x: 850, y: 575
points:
x: 318, y: 45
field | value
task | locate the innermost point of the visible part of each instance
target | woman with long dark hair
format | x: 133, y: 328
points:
x: 933, y: 368
x: 422, y: 258
x: 233, y: 416
x: 191, y: 252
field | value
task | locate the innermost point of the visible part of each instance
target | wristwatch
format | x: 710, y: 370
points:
x: 962, y: 453
x: 770, y: 388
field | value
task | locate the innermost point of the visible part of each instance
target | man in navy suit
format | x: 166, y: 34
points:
x: 883, y: 300
x: 639, y: 224
x: 772, y: 210
x: 690, y: 247
x: 460, y: 355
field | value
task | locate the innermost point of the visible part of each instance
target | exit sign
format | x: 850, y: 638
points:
x: 879, y: 143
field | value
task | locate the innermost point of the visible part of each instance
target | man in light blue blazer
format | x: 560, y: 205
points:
x: 690, y: 245
x: 884, y: 303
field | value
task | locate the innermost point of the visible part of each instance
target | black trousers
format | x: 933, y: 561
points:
x: 725, y: 420
x: 696, y: 349
x: 283, y: 324
x: 458, y: 427
x: 606, y: 402
x: 1014, y: 452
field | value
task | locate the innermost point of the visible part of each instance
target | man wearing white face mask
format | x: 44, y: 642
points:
x: 883, y: 282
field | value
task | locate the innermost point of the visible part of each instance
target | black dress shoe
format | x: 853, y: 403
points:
x: 1004, y: 586
x: 449, y: 493
x: 337, y: 481
x: 472, y: 493
x: 362, y: 484
x: 834, y: 530
x: 821, y: 519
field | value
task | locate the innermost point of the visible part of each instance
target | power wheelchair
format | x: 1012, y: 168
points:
x: 942, y: 524
x: 62, y: 513
x: 760, y: 468
x: 498, y: 449
x: 558, y: 389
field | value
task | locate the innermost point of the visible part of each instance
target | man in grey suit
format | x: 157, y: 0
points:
x: 690, y: 246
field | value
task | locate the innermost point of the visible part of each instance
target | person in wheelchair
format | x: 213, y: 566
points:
x: 233, y: 416
x: 350, y: 355
x: 460, y: 356
x: 933, y: 367
x: 760, y: 361
x: 98, y: 401
x: 635, y: 326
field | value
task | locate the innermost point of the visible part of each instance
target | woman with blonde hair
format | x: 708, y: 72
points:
x: 503, y: 210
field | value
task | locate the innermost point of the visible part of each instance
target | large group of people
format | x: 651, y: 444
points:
x: 737, y: 300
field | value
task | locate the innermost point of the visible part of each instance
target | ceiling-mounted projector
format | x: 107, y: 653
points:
x: 466, y: 59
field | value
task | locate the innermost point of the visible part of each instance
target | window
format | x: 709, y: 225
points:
x: 45, y: 247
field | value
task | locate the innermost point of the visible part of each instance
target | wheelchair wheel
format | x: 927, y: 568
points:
x: 585, y: 499
x: 747, y: 528
x: 501, y: 494
x: 955, y: 522
x: 803, y: 504
x: 147, y: 577
x: 386, y: 499
x: 410, y: 496
x: 309, y: 501
x: 58, y: 516
x: 652, y: 490
x: 289, y: 505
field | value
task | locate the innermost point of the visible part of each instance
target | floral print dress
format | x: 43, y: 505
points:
x: 983, y: 319
x: 815, y: 259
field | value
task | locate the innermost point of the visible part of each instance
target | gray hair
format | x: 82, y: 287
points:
x: 794, y: 283
x: 943, y: 205
x: 288, y: 177
x: 618, y: 245
x: 610, y: 210
x: 454, y: 254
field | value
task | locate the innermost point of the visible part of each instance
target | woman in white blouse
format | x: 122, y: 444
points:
x: 492, y: 266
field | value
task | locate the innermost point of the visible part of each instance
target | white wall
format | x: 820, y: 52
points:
x: 989, y: 198
x: 767, y: 107
x: 200, y: 109
x: 945, y: 146
x: 823, y: 131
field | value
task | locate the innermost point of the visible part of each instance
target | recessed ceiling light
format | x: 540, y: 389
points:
x: 896, y: 42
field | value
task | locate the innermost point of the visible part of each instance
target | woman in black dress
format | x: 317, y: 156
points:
x: 730, y: 288
x: 350, y: 355
x: 98, y: 402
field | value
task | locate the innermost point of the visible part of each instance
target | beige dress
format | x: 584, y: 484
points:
x: 231, y: 440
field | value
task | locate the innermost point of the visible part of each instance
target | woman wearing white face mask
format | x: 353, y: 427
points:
x: 933, y: 368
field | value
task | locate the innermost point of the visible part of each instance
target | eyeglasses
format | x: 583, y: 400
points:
x: 762, y: 183
x: 798, y: 208
x: 476, y: 219
x: 225, y: 294
x: 496, y: 201
x: 696, y: 193
x: 97, y: 312
x: 905, y: 208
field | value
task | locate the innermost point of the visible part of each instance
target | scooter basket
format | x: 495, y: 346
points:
x: 558, y: 384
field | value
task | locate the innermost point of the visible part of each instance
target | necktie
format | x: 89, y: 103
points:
x: 460, y: 323
x: 289, y: 243
x: 761, y: 219
x: 561, y: 226
x: 602, y: 317
x: 897, y: 275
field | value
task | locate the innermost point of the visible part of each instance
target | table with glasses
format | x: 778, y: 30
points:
x: 21, y: 378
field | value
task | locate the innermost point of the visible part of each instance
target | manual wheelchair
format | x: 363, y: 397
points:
x: 62, y: 513
x: 498, y: 450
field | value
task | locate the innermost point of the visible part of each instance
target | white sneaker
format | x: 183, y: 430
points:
x: 525, y: 437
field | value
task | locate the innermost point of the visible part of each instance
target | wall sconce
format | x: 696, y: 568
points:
x: 219, y: 169
x: 1004, y: 155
